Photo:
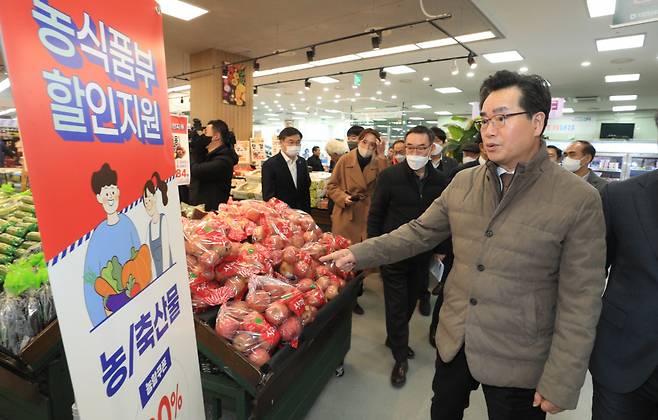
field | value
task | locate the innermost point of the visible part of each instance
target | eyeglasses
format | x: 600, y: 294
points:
x: 496, y: 121
x: 417, y: 148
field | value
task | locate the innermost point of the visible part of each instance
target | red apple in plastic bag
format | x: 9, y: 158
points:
x: 238, y: 284
x: 259, y: 356
x: 245, y: 341
x: 297, y: 240
x: 258, y: 234
x: 323, y: 282
x: 226, y: 326
x: 290, y: 329
x: 309, y: 236
x: 252, y: 214
x: 274, y: 242
x: 287, y: 270
x: 276, y: 257
x: 302, y: 270
x: 315, y: 297
x: 277, y: 313
x: 304, y: 285
x: 258, y: 300
x: 309, y: 314
x: 290, y: 254
x: 306, y: 222
x: 331, y: 292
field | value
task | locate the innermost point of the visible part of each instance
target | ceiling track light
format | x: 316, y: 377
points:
x: 255, y: 90
x: 382, y: 75
x: 310, y: 54
x: 181, y: 100
x: 376, y: 41
x: 256, y: 65
x: 454, y: 69
x: 471, y: 61
x: 307, y: 84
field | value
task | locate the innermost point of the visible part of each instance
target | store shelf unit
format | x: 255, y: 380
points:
x: 35, y: 385
x: 288, y: 385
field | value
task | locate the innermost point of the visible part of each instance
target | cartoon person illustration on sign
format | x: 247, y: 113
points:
x: 158, y: 232
x: 116, y: 265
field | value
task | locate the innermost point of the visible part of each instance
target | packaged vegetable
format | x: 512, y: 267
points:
x: 33, y: 236
x: 6, y: 249
x: 17, y: 231
x: 26, y: 208
x: 28, y: 244
x: 22, y: 214
x: 28, y: 226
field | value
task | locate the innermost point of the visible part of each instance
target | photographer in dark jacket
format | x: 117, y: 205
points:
x: 403, y: 192
x: 212, y: 160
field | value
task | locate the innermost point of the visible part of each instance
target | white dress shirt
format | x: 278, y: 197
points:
x: 500, y: 170
x: 292, y: 166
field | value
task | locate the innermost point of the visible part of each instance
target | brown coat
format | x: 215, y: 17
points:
x: 524, y: 294
x: 346, y: 180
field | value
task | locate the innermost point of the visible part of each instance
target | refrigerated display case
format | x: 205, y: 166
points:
x: 609, y: 166
x: 641, y: 164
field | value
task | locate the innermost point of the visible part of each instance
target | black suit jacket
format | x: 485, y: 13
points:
x: 447, y: 165
x: 626, y: 349
x: 277, y: 182
x: 315, y: 163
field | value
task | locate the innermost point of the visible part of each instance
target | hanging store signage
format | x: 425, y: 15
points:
x: 181, y: 149
x: 634, y: 12
x: 234, y: 90
x: 557, y: 107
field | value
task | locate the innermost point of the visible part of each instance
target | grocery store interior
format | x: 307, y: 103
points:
x: 390, y: 65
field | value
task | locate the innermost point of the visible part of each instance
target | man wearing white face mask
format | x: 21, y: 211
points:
x: 403, y: 193
x: 577, y: 158
x: 285, y: 175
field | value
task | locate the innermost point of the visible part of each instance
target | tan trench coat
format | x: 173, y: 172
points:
x: 346, y: 180
x: 524, y: 294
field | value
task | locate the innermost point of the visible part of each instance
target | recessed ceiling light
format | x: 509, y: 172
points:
x: 255, y: 108
x: 379, y: 92
x: 326, y: 89
x: 523, y: 69
x: 325, y: 80
x: 300, y: 113
x: 276, y: 102
x: 448, y: 90
x: 270, y: 115
x: 623, y: 108
x: 426, y: 79
x: 357, y: 94
x: 370, y: 107
x: 421, y: 106
x: 319, y: 98
x: 388, y: 51
x: 262, y: 102
x: 443, y: 113
x: 372, y: 98
x: 278, y: 94
x: 615, y: 98
x: 394, y: 96
x: 470, y: 74
x: 399, y: 70
x: 300, y: 92
x: 302, y: 99
x: 332, y: 111
x: 272, y: 119
x: 599, y: 8
x: 180, y: 9
x: 585, y: 64
x: 387, y: 83
x: 503, y: 57
x: 335, y: 101
x: 620, y: 43
x: 417, y: 118
x: 319, y: 102
x: 567, y: 110
x: 613, y: 78
x: 352, y: 100
x: 337, y: 96
x: 173, y: 89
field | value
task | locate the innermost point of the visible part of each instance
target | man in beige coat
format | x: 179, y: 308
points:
x: 524, y: 295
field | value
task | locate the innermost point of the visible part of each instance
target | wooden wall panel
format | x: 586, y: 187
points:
x: 206, y: 93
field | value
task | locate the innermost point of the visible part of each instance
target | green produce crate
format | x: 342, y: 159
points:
x: 287, y: 386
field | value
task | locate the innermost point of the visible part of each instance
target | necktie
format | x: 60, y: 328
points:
x: 507, y: 180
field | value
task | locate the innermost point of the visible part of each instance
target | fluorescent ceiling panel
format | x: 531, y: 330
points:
x: 445, y: 90
x: 614, y: 78
x: 443, y: 113
x: 503, y: 57
x: 598, y: 8
x: 567, y: 110
x: 324, y: 80
x: 443, y: 42
x: 180, y: 9
x: 620, y: 43
x: 421, y: 106
x: 616, y: 98
x: 335, y: 60
x: 4, y: 85
x: 623, y: 108
x: 399, y: 70
x: 388, y: 51
x: 478, y: 36
x: 7, y: 111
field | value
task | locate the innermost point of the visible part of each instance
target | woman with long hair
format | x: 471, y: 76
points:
x: 157, y: 232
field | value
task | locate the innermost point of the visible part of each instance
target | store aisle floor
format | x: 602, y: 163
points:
x: 365, y: 393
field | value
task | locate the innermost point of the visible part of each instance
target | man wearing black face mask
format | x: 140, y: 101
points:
x: 353, y: 136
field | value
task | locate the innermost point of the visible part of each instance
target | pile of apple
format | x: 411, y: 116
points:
x: 260, y: 261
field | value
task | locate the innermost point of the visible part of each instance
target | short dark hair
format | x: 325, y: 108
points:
x: 315, y: 148
x: 558, y: 151
x: 355, y: 130
x: 588, y: 149
x: 421, y: 129
x: 535, y: 94
x: 104, y: 177
x: 367, y: 131
x: 396, y: 142
x: 289, y: 132
x: 438, y: 133
x: 228, y: 137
